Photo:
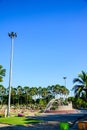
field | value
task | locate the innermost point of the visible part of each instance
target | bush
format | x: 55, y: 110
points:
x: 2, y: 115
x: 20, y: 115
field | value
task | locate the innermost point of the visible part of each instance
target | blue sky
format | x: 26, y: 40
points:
x: 51, y: 42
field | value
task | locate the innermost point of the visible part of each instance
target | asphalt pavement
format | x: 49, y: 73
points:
x: 51, y: 122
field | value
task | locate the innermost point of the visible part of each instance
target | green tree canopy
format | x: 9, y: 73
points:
x: 80, y: 85
x: 2, y: 73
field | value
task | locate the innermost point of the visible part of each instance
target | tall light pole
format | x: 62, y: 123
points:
x: 65, y: 80
x: 12, y: 35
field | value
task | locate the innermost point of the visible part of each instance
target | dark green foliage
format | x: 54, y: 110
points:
x: 2, y: 73
x: 80, y: 86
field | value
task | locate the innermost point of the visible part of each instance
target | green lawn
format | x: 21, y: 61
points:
x: 18, y: 120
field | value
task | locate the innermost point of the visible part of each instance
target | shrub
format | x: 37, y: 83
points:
x: 20, y: 115
x: 1, y: 115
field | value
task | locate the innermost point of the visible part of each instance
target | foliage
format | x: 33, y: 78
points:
x: 2, y: 115
x: 80, y: 86
x: 54, y: 106
x: 2, y: 73
x: 38, y: 97
x: 79, y: 103
x: 34, y: 98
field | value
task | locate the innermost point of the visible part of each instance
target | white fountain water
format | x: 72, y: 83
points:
x: 49, y: 105
x: 61, y: 106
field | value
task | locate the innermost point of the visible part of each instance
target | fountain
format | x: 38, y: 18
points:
x: 61, y: 109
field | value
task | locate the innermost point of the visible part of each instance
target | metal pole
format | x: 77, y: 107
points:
x: 64, y: 80
x: 64, y: 83
x: 11, y: 35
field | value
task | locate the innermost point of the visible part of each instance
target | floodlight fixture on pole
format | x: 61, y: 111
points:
x: 65, y: 80
x: 12, y: 35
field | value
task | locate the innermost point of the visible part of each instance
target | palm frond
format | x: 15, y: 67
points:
x: 75, y: 80
x: 83, y: 76
x: 78, y: 89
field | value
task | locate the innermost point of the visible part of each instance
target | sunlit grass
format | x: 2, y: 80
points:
x: 18, y: 120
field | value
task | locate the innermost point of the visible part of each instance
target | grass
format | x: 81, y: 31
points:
x: 18, y: 120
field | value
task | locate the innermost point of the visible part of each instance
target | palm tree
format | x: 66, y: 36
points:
x: 2, y: 93
x: 13, y: 94
x: 34, y: 92
x: 64, y: 91
x: 39, y: 91
x: 19, y: 94
x: 56, y: 90
x: 26, y: 94
x: 2, y: 73
x: 2, y: 89
x: 80, y: 86
x: 44, y: 93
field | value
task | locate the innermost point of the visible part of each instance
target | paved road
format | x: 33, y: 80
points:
x: 51, y: 122
x: 72, y: 119
x: 59, y: 117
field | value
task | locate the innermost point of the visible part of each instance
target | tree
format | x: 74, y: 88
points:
x: 39, y: 92
x: 64, y: 91
x: 2, y: 73
x: 33, y: 92
x: 50, y: 90
x: 2, y: 89
x: 26, y: 94
x: 80, y: 87
x: 19, y: 94
x: 56, y: 90
x: 44, y: 93
x: 2, y: 93
x: 13, y: 94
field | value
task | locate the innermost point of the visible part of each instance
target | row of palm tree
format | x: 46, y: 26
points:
x: 26, y: 94
x: 29, y: 94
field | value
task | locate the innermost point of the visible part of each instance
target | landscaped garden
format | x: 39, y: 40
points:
x: 29, y: 101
